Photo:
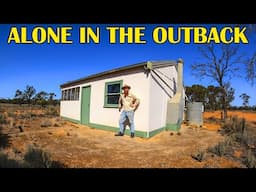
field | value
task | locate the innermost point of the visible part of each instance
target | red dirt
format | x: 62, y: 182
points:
x: 80, y: 146
x: 249, y: 116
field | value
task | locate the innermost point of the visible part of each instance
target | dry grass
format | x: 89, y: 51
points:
x: 216, y: 115
x: 81, y: 146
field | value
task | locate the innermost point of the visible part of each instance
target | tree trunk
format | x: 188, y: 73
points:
x: 224, y: 104
x: 225, y: 111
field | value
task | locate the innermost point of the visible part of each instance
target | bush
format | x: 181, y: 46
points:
x: 5, y: 162
x: 212, y: 119
x: 2, y: 119
x: 25, y: 116
x: 52, y: 111
x: 234, y: 126
x: 56, y: 125
x: 199, y: 156
x: 2, y: 110
x: 219, y: 149
x: 33, y: 115
x: 36, y: 158
x: 10, y: 114
x: 250, y: 160
x: 46, y: 123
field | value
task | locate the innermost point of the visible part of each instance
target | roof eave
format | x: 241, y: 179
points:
x: 156, y: 64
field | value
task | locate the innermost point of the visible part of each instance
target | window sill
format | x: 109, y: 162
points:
x: 111, y: 106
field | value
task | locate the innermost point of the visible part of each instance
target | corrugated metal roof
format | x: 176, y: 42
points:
x: 155, y: 64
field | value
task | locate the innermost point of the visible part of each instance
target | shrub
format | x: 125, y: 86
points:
x: 234, y: 125
x: 2, y: 119
x: 4, y: 139
x: 33, y: 115
x: 2, y: 110
x: 250, y: 160
x: 56, y: 125
x: 199, y: 156
x: 25, y: 116
x: 46, y: 123
x: 212, y: 119
x: 36, y: 158
x: 230, y: 140
x: 52, y: 111
x: 10, y: 114
x: 219, y: 149
x: 5, y: 162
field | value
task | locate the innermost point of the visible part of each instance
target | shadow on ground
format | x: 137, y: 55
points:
x: 4, y: 139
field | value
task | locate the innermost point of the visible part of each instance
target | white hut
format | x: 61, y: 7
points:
x: 93, y: 100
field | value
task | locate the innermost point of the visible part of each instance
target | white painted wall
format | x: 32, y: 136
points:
x: 70, y: 109
x: 159, y: 98
x: 151, y: 114
x: 109, y: 116
x: 139, y: 83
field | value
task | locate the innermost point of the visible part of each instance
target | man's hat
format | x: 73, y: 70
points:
x: 126, y: 86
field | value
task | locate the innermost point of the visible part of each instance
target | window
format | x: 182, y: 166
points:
x: 112, y: 93
x: 77, y: 92
x: 62, y: 95
x: 71, y: 94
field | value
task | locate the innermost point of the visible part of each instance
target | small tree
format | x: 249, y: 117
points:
x: 245, y: 99
x: 230, y: 96
x: 51, y: 98
x: 28, y: 93
x: 220, y: 65
x: 213, y: 98
x: 41, y: 98
x: 196, y: 93
x: 250, y: 62
x: 19, y: 96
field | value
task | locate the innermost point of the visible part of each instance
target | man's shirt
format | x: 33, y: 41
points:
x: 129, y: 102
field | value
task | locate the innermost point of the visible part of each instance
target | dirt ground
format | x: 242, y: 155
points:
x: 248, y: 115
x: 79, y: 146
x: 211, y: 125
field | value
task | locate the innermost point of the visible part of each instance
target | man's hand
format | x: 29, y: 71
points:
x: 136, y: 107
x: 119, y: 109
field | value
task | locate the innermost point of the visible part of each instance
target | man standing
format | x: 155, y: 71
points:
x: 129, y: 103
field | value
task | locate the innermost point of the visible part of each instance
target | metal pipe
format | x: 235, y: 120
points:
x: 180, y: 76
x: 163, y: 81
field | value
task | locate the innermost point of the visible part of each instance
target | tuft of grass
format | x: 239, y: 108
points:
x: 36, y: 158
x: 234, y: 125
x: 33, y: 115
x: 219, y: 149
x: 25, y: 116
x: 250, y: 160
x: 3, y: 119
x: 46, y: 123
x: 10, y: 114
x: 199, y: 156
x: 5, y: 162
x: 52, y: 111
x: 56, y: 125
x: 212, y: 119
x: 1, y: 110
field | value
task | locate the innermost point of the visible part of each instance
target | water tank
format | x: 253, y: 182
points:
x: 195, y: 113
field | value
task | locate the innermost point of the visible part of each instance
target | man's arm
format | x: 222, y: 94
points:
x: 136, y: 102
x: 120, y: 104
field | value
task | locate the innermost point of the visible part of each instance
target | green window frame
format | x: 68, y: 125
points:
x: 107, y: 94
